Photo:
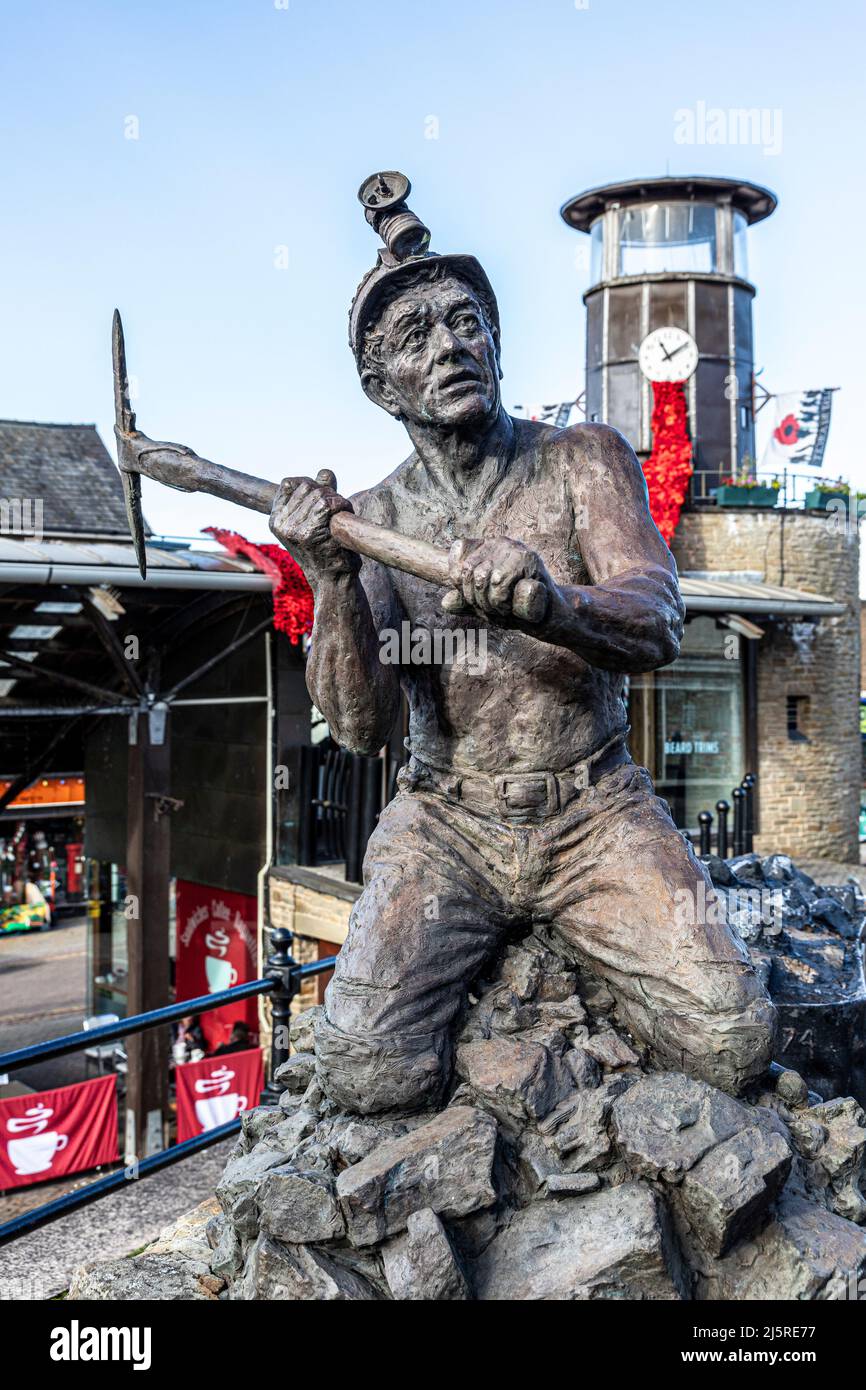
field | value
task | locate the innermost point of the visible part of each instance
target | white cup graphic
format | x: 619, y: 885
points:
x: 35, y: 1153
x: 33, y: 1121
x: 221, y: 974
x: 217, y: 941
x: 219, y: 1110
x: 218, y: 1082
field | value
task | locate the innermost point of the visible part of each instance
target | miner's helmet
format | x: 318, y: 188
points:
x: 405, y: 251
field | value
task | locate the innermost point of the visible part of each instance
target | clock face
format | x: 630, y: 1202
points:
x: 668, y: 354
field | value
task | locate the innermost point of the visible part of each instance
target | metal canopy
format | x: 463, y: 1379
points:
x: 103, y: 562
x: 735, y: 596
x: 65, y: 628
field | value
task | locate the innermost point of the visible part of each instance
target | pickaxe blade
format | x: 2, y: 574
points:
x: 124, y: 424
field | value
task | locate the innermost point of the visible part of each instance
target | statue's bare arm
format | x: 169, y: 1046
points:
x: 630, y: 617
x: 358, y: 695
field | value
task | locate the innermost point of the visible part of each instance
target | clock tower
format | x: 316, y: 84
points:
x: 669, y: 300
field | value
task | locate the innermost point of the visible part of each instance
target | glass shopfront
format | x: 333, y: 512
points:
x: 688, y: 722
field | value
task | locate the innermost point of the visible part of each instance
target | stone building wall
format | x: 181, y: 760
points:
x: 809, y: 790
x: 314, y: 917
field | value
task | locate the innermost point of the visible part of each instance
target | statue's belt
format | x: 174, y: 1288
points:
x: 515, y: 795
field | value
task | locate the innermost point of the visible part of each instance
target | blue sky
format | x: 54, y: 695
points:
x: 256, y: 124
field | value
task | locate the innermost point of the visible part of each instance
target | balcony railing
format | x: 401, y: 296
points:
x: 341, y: 797
x: 792, y: 489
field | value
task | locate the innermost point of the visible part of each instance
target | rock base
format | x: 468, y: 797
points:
x: 561, y: 1168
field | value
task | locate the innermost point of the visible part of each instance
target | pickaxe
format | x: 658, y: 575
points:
x: 180, y: 468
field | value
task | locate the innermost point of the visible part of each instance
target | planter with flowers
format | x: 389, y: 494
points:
x: 744, y: 490
x: 824, y: 492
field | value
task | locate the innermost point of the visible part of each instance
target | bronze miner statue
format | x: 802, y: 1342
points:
x: 520, y: 805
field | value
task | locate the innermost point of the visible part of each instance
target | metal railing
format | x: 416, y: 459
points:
x: 281, y: 982
x: 341, y: 796
x: 791, y: 489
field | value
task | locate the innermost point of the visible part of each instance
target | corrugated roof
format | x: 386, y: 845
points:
x: 108, y: 562
x: 68, y: 469
x: 85, y: 552
x: 115, y: 563
x: 723, y: 595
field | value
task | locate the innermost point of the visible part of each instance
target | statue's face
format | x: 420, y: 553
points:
x: 437, y: 360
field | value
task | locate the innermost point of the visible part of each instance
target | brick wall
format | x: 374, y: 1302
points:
x: 313, y: 917
x: 810, y: 790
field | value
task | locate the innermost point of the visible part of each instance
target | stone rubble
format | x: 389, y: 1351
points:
x: 563, y: 1167
x: 178, y: 1265
x: 421, y: 1264
x: 807, y: 943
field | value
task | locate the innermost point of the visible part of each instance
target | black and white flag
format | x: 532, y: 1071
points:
x: 800, y: 432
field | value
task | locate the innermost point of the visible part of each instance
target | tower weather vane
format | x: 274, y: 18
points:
x: 520, y: 802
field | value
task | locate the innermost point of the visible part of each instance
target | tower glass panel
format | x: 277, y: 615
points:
x: 741, y: 260
x: 657, y: 237
x: 596, y: 252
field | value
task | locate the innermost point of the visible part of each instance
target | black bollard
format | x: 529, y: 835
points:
x: 722, y: 809
x: 748, y: 785
x: 739, y: 797
x: 705, y: 822
x: 279, y: 967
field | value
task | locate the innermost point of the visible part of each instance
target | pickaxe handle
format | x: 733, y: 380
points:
x: 180, y: 468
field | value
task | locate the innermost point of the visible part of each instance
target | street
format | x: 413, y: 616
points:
x: 42, y: 996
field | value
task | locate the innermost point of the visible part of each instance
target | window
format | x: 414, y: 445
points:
x: 667, y: 236
x: 797, y: 713
x: 688, y: 722
x: 741, y: 263
x: 711, y: 319
x: 668, y: 305
x: 623, y: 407
x: 623, y: 330
x: 596, y: 252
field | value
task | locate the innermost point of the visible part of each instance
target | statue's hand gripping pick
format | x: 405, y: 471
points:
x: 520, y: 804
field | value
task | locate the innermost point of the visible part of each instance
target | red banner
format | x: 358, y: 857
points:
x: 216, y: 948
x: 215, y: 1091
x: 50, y: 1134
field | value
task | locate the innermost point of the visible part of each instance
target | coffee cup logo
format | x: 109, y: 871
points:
x: 221, y: 974
x: 219, y: 1105
x: 217, y: 1083
x: 217, y: 941
x: 33, y: 1121
x: 219, y: 1110
x: 34, y: 1153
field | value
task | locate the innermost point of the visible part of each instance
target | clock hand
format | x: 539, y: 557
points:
x: 669, y: 355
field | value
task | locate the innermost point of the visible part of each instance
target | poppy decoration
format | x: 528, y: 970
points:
x: 788, y: 431
x: 669, y: 466
x: 293, y: 597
